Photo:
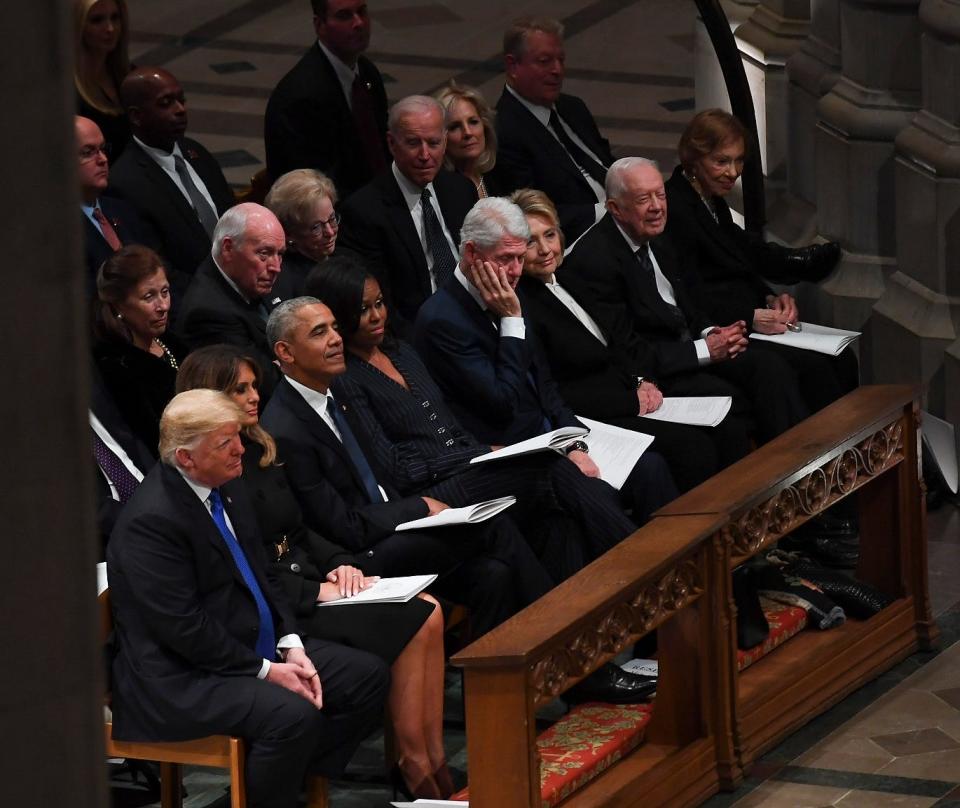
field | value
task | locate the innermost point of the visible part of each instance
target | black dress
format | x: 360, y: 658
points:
x: 115, y: 128
x: 139, y: 383
x: 383, y: 629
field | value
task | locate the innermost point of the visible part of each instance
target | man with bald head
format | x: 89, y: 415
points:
x: 405, y: 222
x: 173, y: 182
x: 232, y: 293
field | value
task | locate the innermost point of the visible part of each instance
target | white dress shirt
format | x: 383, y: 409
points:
x: 166, y: 162
x: 575, y: 309
x: 412, y: 196
x: 542, y: 114
x: 118, y: 450
x: 203, y: 493
x: 509, y: 326
x: 665, y: 288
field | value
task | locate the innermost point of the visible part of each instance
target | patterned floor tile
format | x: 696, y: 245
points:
x: 916, y: 742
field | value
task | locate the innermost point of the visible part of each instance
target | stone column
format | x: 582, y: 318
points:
x: 811, y: 73
x: 774, y: 31
x: 876, y: 96
x: 709, y: 89
x: 51, y: 687
x: 918, y: 316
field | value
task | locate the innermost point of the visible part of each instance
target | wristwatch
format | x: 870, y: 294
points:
x: 576, y: 446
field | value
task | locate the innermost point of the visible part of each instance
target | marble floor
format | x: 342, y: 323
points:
x: 896, y: 741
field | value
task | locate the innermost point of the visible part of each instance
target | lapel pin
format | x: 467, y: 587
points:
x: 275, y: 301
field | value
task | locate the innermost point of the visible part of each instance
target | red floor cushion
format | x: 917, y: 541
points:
x: 785, y: 621
x: 587, y: 740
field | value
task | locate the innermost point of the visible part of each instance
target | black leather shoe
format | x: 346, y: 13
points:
x: 812, y: 263
x: 827, y: 551
x: 612, y: 685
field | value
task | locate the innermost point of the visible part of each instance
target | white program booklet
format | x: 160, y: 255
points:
x: 615, y: 450
x: 813, y: 337
x: 693, y: 410
x: 549, y: 441
x: 388, y: 590
x: 435, y: 803
x: 645, y: 667
x: 101, y: 578
x: 467, y: 515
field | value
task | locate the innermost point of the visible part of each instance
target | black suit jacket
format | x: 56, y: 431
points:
x: 213, y: 312
x: 131, y: 229
x: 184, y: 618
x: 183, y: 242
x: 721, y: 263
x: 377, y: 226
x: 500, y: 388
x: 529, y: 156
x: 308, y: 123
x: 327, y: 485
x: 593, y: 379
x: 605, y: 276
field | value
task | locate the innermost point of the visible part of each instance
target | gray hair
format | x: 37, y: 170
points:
x: 283, y: 318
x: 515, y: 37
x: 616, y: 183
x: 490, y: 220
x: 413, y: 105
x: 233, y: 225
x: 190, y: 417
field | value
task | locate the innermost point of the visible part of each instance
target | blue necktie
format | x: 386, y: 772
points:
x: 349, y: 441
x: 266, y: 638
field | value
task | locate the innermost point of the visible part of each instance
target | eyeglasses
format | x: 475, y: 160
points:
x: 333, y: 223
x: 88, y: 153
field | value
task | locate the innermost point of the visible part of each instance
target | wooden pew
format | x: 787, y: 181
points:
x: 867, y: 445
x: 710, y: 723
x: 659, y: 578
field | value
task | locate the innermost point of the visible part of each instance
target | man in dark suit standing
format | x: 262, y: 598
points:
x: 173, y: 182
x: 547, y: 139
x: 474, y: 340
x: 231, y: 294
x: 330, y: 111
x: 405, y: 224
x: 205, y: 641
x: 108, y: 223
x: 624, y: 273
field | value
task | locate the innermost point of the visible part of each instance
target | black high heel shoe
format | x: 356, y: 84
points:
x: 425, y: 789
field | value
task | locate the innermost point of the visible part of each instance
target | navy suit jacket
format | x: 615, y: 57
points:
x: 500, y: 388
x: 325, y: 481
x: 183, y: 242
x: 378, y: 227
x: 184, y: 618
x: 308, y: 123
x: 604, y: 275
x: 213, y: 312
x: 529, y: 156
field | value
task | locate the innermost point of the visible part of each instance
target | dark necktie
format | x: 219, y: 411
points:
x: 349, y: 441
x: 583, y: 160
x: 361, y: 106
x: 206, y: 214
x: 443, y: 261
x: 266, y: 637
x: 114, y: 468
x: 109, y: 234
x: 676, y: 313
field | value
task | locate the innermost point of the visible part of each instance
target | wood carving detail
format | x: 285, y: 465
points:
x: 816, y: 491
x: 613, y: 631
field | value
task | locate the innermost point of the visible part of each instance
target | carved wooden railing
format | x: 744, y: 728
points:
x: 709, y: 721
x: 864, y: 446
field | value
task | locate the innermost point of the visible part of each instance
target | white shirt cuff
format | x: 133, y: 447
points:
x: 513, y: 327
x: 286, y: 641
x: 703, y: 352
